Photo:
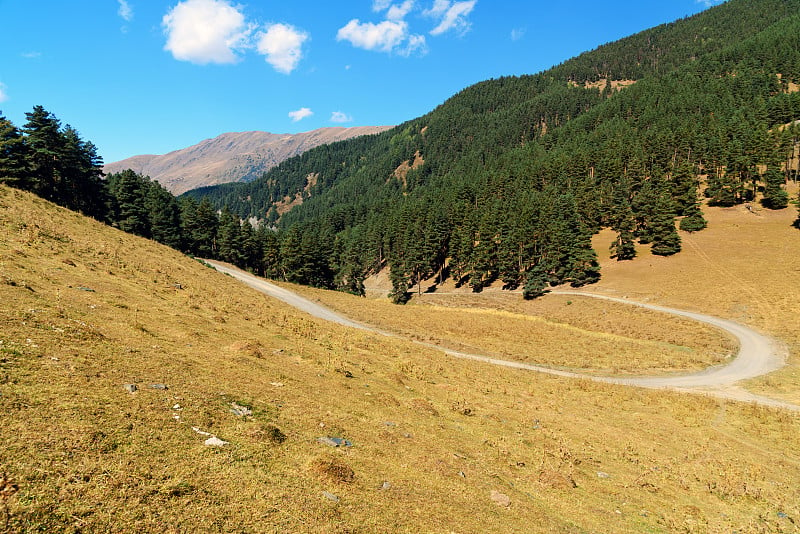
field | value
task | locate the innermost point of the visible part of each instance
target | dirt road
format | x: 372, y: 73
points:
x: 757, y: 356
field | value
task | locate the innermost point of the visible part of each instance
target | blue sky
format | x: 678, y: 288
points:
x: 151, y: 76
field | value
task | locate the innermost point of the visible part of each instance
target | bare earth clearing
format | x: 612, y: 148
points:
x: 758, y: 355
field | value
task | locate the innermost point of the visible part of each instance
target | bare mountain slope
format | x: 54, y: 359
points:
x: 231, y: 157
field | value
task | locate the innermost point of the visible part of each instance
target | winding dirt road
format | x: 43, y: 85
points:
x: 758, y: 355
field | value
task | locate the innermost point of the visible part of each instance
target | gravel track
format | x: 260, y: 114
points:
x: 758, y: 354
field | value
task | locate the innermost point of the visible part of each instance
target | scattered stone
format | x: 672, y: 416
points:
x: 386, y: 486
x: 407, y: 436
x: 462, y: 474
x: 159, y: 386
x: 90, y: 290
x: 130, y: 388
x: 501, y: 499
x: 334, y: 442
x: 389, y: 423
x: 214, y: 441
x: 202, y: 433
x: 330, y: 496
x: 177, y: 407
x: 600, y: 474
x: 276, y: 384
x: 241, y: 411
x: 177, y: 286
x: 782, y: 515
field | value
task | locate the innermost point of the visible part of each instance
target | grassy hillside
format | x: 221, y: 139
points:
x: 438, y: 445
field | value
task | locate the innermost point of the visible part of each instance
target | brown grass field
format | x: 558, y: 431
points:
x: 438, y: 444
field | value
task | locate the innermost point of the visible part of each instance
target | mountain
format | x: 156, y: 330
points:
x: 508, y: 180
x: 231, y: 157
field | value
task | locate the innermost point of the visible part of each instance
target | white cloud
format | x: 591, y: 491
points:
x: 386, y: 36
x: 300, y: 114
x: 381, y: 5
x: 399, y: 12
x: 3, y: 94
x: 283, y: 46
x: 452, y: 15
x: 341, y: 117
x: 31, y: 55
x: 517, y: 34
x: 205, y: 31
x: 125, y: 10
x: 709, y: 3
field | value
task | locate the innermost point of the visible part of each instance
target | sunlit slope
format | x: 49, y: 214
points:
x: 745, y: 266
x: 437, y: 445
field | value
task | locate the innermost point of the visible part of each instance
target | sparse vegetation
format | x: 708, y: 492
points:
x: 443, y: 433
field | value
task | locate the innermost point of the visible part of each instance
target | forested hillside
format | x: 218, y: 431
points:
x: 509, y: 179
x: 505, y: 181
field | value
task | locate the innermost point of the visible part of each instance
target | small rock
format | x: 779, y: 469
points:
x: 462, y: 474
x: 86, y: 289
x: 214, y: 441
x: 159, y: 386
x: 130, y: 388
x: 782, y: 515
x: 276, y: 384
x: 600, y: 474
x: 330, y: 496
x: 334, y: 442
x: 202, y: 433
x: 177, y: 407
x: 240, y: 410
x: 389, y: 423
x: 386, y: 486
x: 501, y: 499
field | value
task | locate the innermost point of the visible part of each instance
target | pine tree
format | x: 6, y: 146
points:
x: 129, y: 190
x: 13, y: 165
x: 694, y: 220
x: 399, y: 279
x: 666, y: 240
x: 229, y: 238
x: 775, y: 197
x: 164, y: 216
x: 45, y: 149
x: 623, y: 247
x: 535, y: 282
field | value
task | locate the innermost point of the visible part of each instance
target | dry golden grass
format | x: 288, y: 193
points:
x: 558, y: 331
x: 446, y: 435
x: 745, y: 266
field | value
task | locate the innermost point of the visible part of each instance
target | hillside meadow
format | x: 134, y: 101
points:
x: 434, y: 444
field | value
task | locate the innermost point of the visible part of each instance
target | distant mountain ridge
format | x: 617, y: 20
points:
x: 231, y: 157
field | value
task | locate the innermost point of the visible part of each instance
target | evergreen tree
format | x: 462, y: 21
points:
x: 775, y: 197
x: 623, y: 247
x: 399, y: 279
x: 666, y: 240
x: 229, y: 238
x: 45, y: 149
x: 164, y: 216
x: 13, y: 165
x: 535, y: 282
x: 693, y: 220
x: 130, y: 191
